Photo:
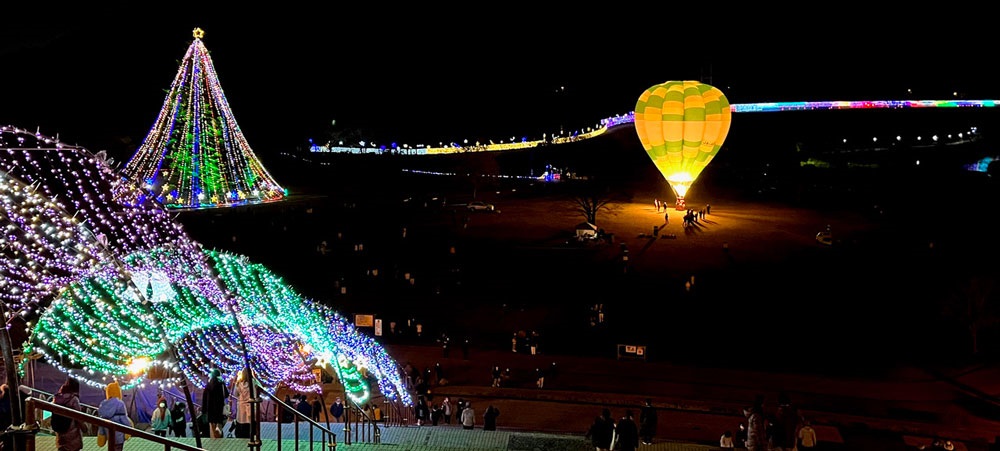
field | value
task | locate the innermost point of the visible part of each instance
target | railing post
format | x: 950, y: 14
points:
x: 347, y: 425
x: 255, y: 413
x: 279, y: 412
x: 194, y: 413
x: 112, y: 435
x: 296, y: 433
x: 29, y: 422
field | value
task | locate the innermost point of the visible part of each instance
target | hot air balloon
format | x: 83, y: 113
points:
x: 682, y: 125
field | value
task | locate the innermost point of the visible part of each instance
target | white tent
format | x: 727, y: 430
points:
x: 585, y: 230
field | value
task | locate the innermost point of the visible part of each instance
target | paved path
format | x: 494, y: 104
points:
x: 400, y: 439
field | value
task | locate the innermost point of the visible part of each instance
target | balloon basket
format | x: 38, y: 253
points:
x: 680, y: 204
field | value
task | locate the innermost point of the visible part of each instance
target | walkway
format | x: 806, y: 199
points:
x: 400, y: 439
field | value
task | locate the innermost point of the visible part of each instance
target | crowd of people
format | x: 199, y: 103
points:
x: 783, y: 429
x: 625, y: 434
x: 430, y: 413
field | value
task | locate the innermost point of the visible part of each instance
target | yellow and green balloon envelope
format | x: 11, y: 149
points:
x: 682, y: 125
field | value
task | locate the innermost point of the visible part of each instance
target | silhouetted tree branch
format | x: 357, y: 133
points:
x: 591, y: 197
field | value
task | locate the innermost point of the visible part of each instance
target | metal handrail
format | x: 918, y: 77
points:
x: 367, y: 421
x: 178, y: 396
x: 46, y: 396
x: 281, y: 406
x: 31, y: 403
x: 397, y: 414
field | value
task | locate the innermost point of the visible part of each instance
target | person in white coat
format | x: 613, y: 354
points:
x: 468, y: 417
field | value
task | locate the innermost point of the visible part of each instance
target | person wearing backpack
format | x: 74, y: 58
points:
x: 69, y: 433
x: 113, y: 409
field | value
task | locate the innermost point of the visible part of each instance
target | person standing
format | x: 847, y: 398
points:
x: 490, y: 418
x: 69, y: 397
x: 161, y: 419
x: 288, y: 413
x: 303, y: 407
x: 647, y: 422
x: 179, y: 418
x: 496, y: 376
x: 628, y: 433
x: 807, y: 436
x: 213, y: 400
x: 741, y: 437
x: 422, y: 411
x: 756, y: 426
x: 337, y: 409
x: 5, y: 417
x: 726, y: 441
x: 602, y: 431
x: 317, y: 409
x: 113, y: 409
x: 468, y: 416
x: 241, y: 424
x: 446, y: 410
x: 436, y: 414
x: 787, y: 426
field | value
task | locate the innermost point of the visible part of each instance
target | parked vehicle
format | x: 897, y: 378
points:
x: 480, y: 206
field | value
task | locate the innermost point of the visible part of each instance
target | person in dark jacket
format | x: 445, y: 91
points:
x: 602, y: 431
x: 490, y: 418
x: 287, y: 415
x: 69, y: 397
x: 787, y: 420
x: 316, y: 409
x: 179, y: 418
x: 213, y: 400
x: 647, y: 422
x: 628, y: 433
x: 304, y: 407
x: 337, y: 409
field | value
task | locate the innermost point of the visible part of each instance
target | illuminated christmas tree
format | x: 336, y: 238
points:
x: 195, y: 155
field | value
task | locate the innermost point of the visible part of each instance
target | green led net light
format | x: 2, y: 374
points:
x: 97, y: 329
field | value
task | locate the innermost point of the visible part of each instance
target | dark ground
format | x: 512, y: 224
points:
x: 873, y: 300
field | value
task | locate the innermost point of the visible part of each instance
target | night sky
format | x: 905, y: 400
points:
x: 430, y: 73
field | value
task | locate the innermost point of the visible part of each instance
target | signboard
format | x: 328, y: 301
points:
x: 631, y: 352
x: 364, y: 320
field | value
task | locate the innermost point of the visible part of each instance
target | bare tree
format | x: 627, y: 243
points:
x: 591, y: 197
x: 973, y: 306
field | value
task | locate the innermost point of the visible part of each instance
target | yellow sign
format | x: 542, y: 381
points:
x: 364, y: 320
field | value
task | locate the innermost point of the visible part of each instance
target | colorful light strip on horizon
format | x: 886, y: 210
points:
x: 769, y: 107
x: 629, y: 118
